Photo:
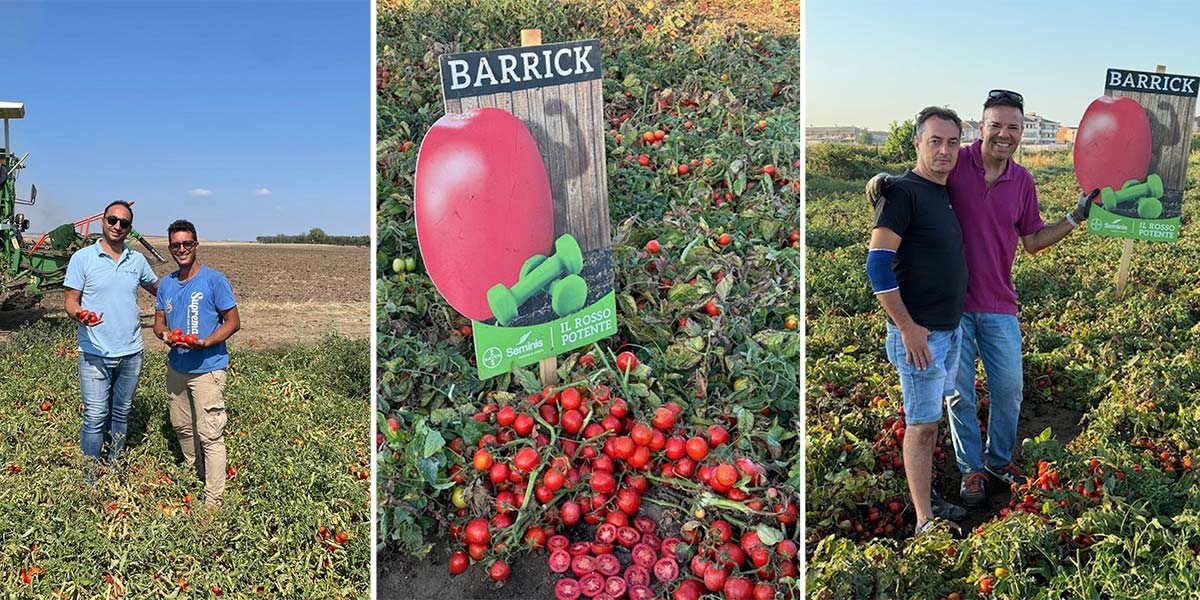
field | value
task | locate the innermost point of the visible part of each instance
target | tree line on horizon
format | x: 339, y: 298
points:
x: 315, y: 236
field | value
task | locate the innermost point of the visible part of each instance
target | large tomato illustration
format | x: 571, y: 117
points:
x: 1112, y: 144
x: 483, y: 205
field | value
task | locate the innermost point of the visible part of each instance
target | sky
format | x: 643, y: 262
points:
x: 246, y: 118
x: 872, y: 62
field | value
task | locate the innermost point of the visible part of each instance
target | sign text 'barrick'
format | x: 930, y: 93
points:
x: 479, y: 73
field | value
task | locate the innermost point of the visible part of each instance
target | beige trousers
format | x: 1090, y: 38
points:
x: 197, y: 406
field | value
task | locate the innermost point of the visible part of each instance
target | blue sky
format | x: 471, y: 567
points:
x: 247, y: 118
x: 870, y: 63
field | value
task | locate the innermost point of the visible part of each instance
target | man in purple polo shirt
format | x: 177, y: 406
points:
x: 995, y: 201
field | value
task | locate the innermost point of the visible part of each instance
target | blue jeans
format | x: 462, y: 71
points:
x: 923, y: 389
x: 996, y: 339
x: 107, y: 385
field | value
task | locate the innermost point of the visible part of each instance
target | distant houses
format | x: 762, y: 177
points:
x: 1040, y: 134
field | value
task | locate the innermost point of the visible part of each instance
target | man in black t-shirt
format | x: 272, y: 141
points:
x: 919, y: 273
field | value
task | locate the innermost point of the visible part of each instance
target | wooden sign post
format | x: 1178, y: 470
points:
x: 555, y: 90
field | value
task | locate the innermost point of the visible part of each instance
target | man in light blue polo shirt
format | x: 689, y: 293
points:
x: 104, y: 278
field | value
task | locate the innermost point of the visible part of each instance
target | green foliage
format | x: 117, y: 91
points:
x: 296, y: 444
x: 843, y: 161
x: 899, y: 144
x: 316, y: 235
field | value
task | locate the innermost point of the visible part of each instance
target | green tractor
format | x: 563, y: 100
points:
x: 28, y: 268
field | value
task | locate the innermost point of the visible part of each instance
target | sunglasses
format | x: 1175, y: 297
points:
x: 186, y: 245
x: 1009, y: 95
x: 125, y: 223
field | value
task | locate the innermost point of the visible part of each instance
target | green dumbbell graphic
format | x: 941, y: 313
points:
x: 536, y: 274
x: 567, y: 295
x: 1133, y: 190
x: 1149, y: 208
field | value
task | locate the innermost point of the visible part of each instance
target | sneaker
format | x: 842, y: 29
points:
x: 974, y: 490
x: 1008, y: 474
x: 944, y: 509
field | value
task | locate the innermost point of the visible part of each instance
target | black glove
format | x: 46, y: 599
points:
x: 878, y: 185
x: 1080, y: 214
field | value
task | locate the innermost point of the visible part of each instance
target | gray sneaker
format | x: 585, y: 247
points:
x: 974, y: 490
x: 944, y: 509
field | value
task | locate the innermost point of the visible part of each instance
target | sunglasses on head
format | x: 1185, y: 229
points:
x: 1009, y: 95
x: 125, y: 223
x: 186, y: 244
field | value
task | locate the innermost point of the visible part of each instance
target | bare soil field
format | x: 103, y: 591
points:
x: 286, y: 293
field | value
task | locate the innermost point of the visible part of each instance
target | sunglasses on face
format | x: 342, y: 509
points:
x: 1009, y: 95
x: 186, y: 245
x: 125, y: 223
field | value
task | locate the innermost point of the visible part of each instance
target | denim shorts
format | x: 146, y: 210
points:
x: 924, y: 389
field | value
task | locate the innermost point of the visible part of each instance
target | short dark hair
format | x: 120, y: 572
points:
x: 119, y: 203
x: 939, y: 112
x: 181, y: 225
x: 1004, y: 98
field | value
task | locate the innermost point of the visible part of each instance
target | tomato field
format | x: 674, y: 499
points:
x: 665, y: 463
x: 1110, y: 419
x: 295, y: 520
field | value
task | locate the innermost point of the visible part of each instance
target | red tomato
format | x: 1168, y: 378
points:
x: 477, y: 532
x: 685, y: 467
x: 627, y: 361
x: 482, y: 460
x: 657, y: 440
x: 640, y: 592
x: 644, y: 555
x: 697, y: 448
x: 499, y: 522
x: 641, y: 434
x: 675, y: 448
x: 579, y: 548
x: 690, y: 589
x: 668, y: 546
x: 637, y: 575
x: 614, y: 586
x: 543, y: 494
x: 738, y: 588
x: 711, y: 307
x: 553, y: 480
x: 714, y: 579
x: 645, y: 524
x: 653, y: 247
x: 526, y: 459
x: 582, y: 565
x: 628, y: 536
x: 572, y: 421
x: 664, y: 419
x: 751, y: 469
x: 637, y: 482
x: 1112, y: 144
x: 476, y: 551
x: 498, y: 473
x: 505, y: 502
x: 619, y: 408
x: 505, y: 416
x: 599, y: 549
x: 570, y: 513
x: 464, y: 201
x: 608, y: 564
x: 622, y: 447
x: 722, y: 529
x: 569, y: 399
x: 567, y: 589
x: 523, y: 424
x: 617, y: 518
x: 499, y: 570
x: 458, y: 562
x: 591, y: 584
x: 601, y: 394
x: 760, y: 556
x: 764, y: 591
x: 549, y: 414
x: 603, y: 482
x: 611, y: 423
x: 535, y: 537
x: 602, y: 463
x: 640, y: 458
x: 725, y: 476
x: 666, y: 570
x: 558, y: 542
x: 786, y: 549
x: 606, y: 533
x: 717, y: 435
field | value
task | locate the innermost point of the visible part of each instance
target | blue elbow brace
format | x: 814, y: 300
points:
x: 879, y: 270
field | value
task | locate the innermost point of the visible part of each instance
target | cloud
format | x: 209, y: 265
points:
x: 262, y: 192
x: 200, y: 192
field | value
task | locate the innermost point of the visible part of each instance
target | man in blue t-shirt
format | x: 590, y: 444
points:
x: 194, y: 315
x: 104, y: 279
